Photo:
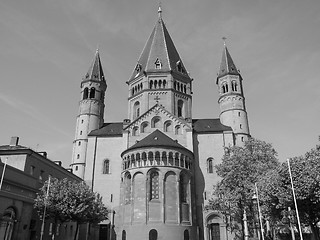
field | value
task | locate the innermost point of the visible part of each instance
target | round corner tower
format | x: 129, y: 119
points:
x: 232, y: 101
x: 91, y: 111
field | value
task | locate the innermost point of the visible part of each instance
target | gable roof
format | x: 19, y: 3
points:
x: 156, y: 139
x: 155, y: 107
x: 108, y: 129
x: 209, y: 125
x: 115, y: 129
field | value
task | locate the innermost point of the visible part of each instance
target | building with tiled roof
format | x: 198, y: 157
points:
x: 23, y: 173
x: 155, y: 168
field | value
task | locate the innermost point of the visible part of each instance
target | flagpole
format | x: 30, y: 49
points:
x: 3, y: 171
x: 44, y: 211
x: 294, y: 198
x: 259, y: 211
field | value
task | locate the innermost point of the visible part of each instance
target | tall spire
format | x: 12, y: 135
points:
x: 159, y: 53
x: 95, y: 71
x: 227, y: 66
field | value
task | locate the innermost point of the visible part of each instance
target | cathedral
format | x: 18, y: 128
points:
x: 155, y: 169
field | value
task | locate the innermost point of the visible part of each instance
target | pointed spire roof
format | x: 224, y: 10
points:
x: 159, y: 53
x: 227, y: 66
x: 95, y: 71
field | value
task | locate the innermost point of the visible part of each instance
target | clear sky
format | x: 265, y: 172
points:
x: 46, y: 47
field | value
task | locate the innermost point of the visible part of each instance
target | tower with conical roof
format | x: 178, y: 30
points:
x: 231, y: 98
x: 157, y: 192
x: 91, y: 111
x: 159, y: 77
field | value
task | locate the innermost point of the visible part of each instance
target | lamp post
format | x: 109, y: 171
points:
x: 291, y: 214
x: 245, y: 225
x: 255, y: 216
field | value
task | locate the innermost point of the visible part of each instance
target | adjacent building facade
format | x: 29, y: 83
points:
x: 155, y: 168
x: 24, y: 171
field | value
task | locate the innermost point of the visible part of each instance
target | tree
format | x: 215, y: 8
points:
x: 240, y: 169
x: 276, y: 191
x: 70, y: 201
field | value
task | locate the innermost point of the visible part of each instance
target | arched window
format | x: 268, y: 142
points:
x: 177, y: 130
x: 127, y: 183
x: 150, y: 84
x: 85, y: 93
x: 164, y: 158
x: 106, y: 167
x: 164, y: 83
x: 234, y: 86
x: 180, y: 108
x: 136, y: 109
x: 154, y: 185
x: 7, y: 223
x: 150, y: 157
x: 170, y: 158
x: 135, y: 131
x: 214, y: 231
x: 210, y: 165
x: 92, y: 92
x: 153, y: 234
x: 124, y: 235
x: 144, y: 127
x: 155, y: 122
x: 225, y: 87
x: 183, y: 184
x: 186, y: 235
x: 168, y: 126
x: 176, y: 159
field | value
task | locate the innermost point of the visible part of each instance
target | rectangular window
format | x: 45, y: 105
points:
x: 32, y: 168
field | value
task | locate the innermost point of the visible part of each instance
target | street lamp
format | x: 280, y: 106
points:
x: 255, y: 215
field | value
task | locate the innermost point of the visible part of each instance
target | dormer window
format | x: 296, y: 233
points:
x: 179, y: 66
x: 158, y: 64
x: 138, y: 68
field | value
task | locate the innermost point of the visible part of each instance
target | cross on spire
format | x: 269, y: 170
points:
x: 160, y: 11
x: 224, y: 40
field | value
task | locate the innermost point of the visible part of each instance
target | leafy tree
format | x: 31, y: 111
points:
x: 276, y: 192
x: 70, y: 201
x: 240, y: 169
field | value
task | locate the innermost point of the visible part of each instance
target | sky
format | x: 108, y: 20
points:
x: 47, y: 46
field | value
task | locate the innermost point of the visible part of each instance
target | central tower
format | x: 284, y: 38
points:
x: 159, y: 77
x: 157, y: 191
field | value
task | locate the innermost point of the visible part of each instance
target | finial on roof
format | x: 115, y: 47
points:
x: 160, y: 11
x: 224, y: 41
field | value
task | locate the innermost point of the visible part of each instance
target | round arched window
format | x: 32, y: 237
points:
x: 153, y: 234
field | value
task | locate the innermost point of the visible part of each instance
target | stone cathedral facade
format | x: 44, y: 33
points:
x: 155, y: 168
